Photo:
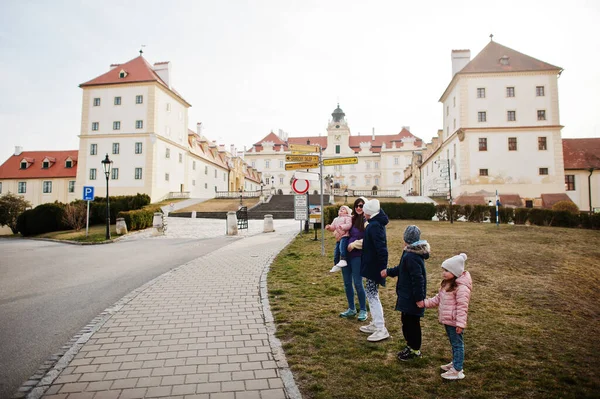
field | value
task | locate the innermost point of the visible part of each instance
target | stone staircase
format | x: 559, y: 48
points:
x: 280, y: 206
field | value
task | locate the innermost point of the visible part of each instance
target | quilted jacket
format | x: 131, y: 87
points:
x: 453, y: 305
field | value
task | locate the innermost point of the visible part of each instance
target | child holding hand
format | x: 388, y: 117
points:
x: 340, y: 227
x: 453, y: 302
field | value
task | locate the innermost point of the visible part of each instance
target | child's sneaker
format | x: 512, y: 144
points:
x: 453, y: 374
x: 348, y: 313
x: 408, y: 355
x: 362, y: 315
x: 335, y: 268
x: 342, y: 263
x: 447, y: 367
x: 369, y: 328
x: 379, y: 335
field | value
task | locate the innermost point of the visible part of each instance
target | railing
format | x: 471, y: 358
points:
x: 178, y: 194
x: 236, y: 194
x: 368, y: 193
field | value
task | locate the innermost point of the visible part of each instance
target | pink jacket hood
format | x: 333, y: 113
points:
x: 454, y: 305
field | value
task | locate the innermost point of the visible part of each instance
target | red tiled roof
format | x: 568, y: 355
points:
x: 354, y: 141
x: 138, y: 70
x: 470, y: 200
x: 11, y: 169
x: 511, y: 200
x: 488, y: 60
x: 550, y: 199
x: 581, y: 153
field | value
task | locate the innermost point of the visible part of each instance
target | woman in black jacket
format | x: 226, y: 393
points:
x: 373, y: 261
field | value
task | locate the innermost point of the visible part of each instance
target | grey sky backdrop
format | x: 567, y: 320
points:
x: 249, y: 67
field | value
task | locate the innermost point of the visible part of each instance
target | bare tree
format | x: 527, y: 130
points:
x: 75, y: 214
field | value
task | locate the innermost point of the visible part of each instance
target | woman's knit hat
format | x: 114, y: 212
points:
x: 412, y: 234
x: 455, y: 264
x: 371, y: 207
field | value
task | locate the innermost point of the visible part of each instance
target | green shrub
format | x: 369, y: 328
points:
x: 521, y: 215
x: 588, y: 221
x: 506, y: 215
x: 43, y: 218
x: 139, y: 219
x: 568, y: 206
x: 117, y: 204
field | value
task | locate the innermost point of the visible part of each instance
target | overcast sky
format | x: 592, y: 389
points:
x: 249, y: 67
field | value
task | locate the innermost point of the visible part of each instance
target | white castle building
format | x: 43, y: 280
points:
x: 501, y: 129
x: 381, y: 158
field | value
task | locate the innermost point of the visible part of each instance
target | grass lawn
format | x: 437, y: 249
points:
x: 533, y: 328
x: 220, y: 205
x: 97, y: 233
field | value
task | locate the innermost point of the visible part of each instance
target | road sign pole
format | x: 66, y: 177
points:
x: 450, y: 189
x: 87, y: 219
x: 322, y: 210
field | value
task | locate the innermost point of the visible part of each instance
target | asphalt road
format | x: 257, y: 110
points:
x: 49, y: 291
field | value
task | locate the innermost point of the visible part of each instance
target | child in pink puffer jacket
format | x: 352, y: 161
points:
x: 453, y: 301
x: 340, y: 227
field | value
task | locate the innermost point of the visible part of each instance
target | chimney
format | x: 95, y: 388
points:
x: 460, y: 58
x: 199, y: 129
x: 113, y: 66
x: 163, y: 70
x: 373, y: 134
x: 406, y: 127
x: 18, y: 150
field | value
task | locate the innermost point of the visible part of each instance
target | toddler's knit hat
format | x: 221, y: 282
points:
x: 412, y: 234
x: 371, y: 207
x: 348, y: 210
x: 455, y: 264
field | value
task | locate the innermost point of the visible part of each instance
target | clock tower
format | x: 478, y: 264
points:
x: 338, y: 135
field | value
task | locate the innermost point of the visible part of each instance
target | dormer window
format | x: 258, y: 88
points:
x: 45, y: 165
x: 122, y: 74
x: 23, y: 164
x: 68, y: 164
x: 504, y: 60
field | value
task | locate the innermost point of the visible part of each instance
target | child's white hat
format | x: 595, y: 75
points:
x: 455, y: 264
x: 348, y: 210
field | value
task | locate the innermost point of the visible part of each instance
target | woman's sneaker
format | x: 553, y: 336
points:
x: 362, y: 315
x: 408, y: 355
x: 379, y: 335
x: 447, y: 367
x: 348, y: 313
x: 335, y: 268
x: 369, y: 328
x: 453, y: 374
x: 342, y: 263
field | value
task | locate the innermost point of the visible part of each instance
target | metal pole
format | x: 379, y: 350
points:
x: 497, y: 219
x: 307, y: 211
x: 107, y: 210
x: 591, y: 170
x: 450, y: 189
x: 87, y: 220
x: 322, y: 210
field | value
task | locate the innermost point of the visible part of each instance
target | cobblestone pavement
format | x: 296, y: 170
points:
x: 202, y: 330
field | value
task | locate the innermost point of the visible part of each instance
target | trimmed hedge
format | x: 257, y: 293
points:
x: 42, y: 219
x: 121, y: 203
x: 140, y: 218
x: 394, y: 210
x: 534, y: 216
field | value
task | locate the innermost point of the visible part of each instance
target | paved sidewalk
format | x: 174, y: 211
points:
x: 202, y: 330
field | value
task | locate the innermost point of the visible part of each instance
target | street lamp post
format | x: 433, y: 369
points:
x: 107, y: 164
x: 346, y: 195
x: 273, y: 184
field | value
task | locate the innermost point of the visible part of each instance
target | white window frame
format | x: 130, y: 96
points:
x: 117, y: 125
x: 139, y: 99
x: 117, y: 100
x: 97, y: 101
x: 116, y: 148
x: 95, y: 126
x: 139, y: 124
x: 139, y: 148
x: 71, y: 188
x: 22, y: 187
x: 138, y: 174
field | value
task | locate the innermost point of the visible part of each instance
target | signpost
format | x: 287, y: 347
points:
x: 302, y: 165
x: 340, y: 161
x: 304, y: 148
x: 300, y: 207
x: 88, y: 195
x: 300, y: 186
x: 302, y: 158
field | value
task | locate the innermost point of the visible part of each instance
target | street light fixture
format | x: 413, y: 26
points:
x: 273, y: 184
x: 346, y: 195
x: 107, y: 164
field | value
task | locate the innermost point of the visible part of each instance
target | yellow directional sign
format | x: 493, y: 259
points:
x: 340, y: 161
x: 301, y: 165
x: 302, y: 158
x: 304, y: 147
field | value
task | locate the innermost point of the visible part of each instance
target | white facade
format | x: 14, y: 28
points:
x: 501, y: 130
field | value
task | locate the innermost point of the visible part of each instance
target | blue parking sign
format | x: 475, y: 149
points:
x: 88, y: 193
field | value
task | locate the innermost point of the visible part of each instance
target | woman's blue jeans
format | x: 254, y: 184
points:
x: 351, y: 274
x: 458, y: 347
